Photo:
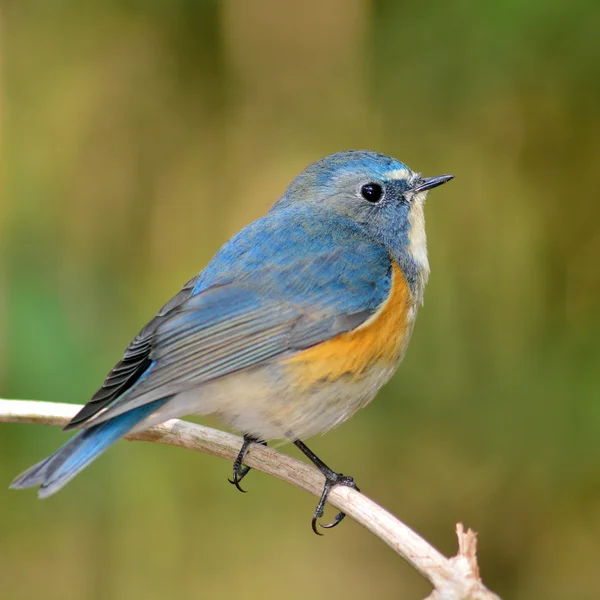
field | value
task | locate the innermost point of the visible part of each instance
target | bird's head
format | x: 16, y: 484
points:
x: 377, y: 191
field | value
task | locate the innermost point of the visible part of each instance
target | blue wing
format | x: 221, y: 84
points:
x: 288, y: 281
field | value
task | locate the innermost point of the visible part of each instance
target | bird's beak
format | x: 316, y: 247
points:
x: 428, y: 183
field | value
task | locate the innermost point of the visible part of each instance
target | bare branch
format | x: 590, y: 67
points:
x: 456, y: 578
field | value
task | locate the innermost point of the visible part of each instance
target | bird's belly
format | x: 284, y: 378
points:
x: 266, y: 403
x: 273, y: 407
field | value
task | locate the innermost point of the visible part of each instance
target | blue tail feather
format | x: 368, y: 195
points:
x: 52, y: 473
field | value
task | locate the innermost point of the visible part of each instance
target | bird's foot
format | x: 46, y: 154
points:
x: 239, y: 469
x: 331, y: 480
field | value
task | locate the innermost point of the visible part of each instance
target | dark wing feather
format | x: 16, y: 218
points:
x: 134, y: 363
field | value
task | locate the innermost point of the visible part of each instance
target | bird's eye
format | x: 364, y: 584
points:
x: 371, y: 192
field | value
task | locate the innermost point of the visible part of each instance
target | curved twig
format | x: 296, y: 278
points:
x: 452, y: 579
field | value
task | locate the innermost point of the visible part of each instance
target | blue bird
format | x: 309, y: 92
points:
x: 293, y: 326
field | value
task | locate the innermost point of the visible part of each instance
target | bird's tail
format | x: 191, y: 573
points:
x: 52, y: 473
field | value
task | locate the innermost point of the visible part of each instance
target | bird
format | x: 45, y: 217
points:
x: 292, y: 327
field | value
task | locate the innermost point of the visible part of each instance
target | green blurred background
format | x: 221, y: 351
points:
x: 137, y: 136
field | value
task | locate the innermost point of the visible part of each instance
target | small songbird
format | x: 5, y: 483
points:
x: 293, y: 326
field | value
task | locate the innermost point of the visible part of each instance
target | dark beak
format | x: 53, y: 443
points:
x: 428, y: 183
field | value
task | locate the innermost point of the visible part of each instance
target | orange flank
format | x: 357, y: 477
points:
x: 381, y: 338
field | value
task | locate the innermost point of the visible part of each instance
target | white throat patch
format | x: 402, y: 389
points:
x: 418, y: 241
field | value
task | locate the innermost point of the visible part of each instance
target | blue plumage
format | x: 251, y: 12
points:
x: 308, y: 255
x: 316, y: 266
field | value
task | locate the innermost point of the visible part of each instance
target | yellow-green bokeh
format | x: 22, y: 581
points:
x: 137, y: 136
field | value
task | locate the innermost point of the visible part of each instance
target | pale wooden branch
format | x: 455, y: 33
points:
x: 456, y: 578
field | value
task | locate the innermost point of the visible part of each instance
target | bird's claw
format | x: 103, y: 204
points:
x: 331, y: 480
x: 239, y: 472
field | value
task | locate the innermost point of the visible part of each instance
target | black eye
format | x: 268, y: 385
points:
x: 371, y: 192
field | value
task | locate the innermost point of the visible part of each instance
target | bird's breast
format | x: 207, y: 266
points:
x: 380, y: 341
